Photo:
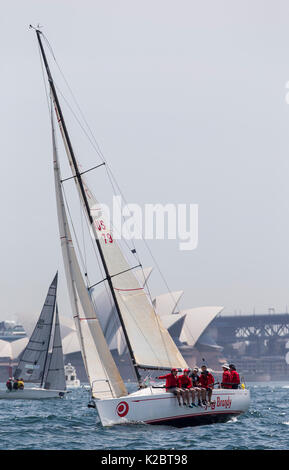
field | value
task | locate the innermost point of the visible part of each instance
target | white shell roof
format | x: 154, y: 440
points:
x: 196, y: 321
x: 12, y: 349
x: 166, y: 303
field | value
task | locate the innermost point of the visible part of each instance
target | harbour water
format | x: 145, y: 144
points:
x: 68, y: 424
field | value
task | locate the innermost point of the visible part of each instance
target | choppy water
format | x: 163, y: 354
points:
x: 69, y: 424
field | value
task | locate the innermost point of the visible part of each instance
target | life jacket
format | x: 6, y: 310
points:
x: 206, y: 380
x: 171, y: 380
x: 234, y: 377
x: 226, y: 380
x: 9, y: 384
x: 184, y: 381
x: 20, y: 384
x: 195, y: 378
x: 15, y: 385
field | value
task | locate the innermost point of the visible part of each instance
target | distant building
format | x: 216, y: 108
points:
x: 11, y: 331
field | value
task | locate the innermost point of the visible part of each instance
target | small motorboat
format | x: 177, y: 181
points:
x: 70, y: 376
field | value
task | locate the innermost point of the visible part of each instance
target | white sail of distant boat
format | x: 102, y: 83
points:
x: 35, y: 364
x: 149, y: 343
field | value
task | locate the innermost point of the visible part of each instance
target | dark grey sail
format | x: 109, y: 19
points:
x: 32, y: 363
x: 55, y: 378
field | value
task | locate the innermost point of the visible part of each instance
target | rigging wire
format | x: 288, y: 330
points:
x: 110, y: 174
x: 114, y: 185
x: 83, y: 241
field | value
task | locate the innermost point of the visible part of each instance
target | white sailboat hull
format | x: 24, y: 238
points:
x: 73, y: 384
x: 31, y: 394
x: 152, y: 406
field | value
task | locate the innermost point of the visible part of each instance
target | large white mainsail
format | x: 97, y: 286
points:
x: 103, y: 375
x: 55, y: 377
x: 32, y: 363
x: 151, y: 343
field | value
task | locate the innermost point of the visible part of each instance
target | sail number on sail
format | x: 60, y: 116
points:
x: 100, y: 226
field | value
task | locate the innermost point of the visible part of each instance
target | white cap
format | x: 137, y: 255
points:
x: 226, y: 366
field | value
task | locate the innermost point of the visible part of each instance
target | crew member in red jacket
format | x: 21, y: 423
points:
x: 9, y: 384
x: 207, y: 384
x: 172, y: 384
x: 196, y: 389
x: 185, y: 384
x: 235, y: 378
x: 226, y: 379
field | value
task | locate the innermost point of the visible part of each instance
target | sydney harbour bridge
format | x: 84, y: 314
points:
x: 264, y: 331
x: 258, y: 344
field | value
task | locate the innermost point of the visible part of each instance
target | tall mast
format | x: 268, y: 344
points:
x: 85, y: 201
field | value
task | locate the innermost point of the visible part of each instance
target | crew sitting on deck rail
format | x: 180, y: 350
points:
x: 226, y: 379
x: 207, y: 384
x: 20, y: 384
x: 15, y: 384
x: 195, y: 378
x: 9, y: 384
x: 235, y: 378
x: 185, y: 384
x: 172, y: 383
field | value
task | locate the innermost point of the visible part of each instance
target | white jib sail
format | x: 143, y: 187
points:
x: 151, y: 343
x: 104, y: 378
x: 55, y: 377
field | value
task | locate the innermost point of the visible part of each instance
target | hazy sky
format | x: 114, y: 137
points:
x: 187, y: 102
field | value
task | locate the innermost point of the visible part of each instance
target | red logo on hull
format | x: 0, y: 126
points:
x: 122, y: 409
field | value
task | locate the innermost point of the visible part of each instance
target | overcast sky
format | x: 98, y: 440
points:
x: 187, y: 101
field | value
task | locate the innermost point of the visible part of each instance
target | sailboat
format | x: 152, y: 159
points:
x: 149, y: 344
x: 36, y: 365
